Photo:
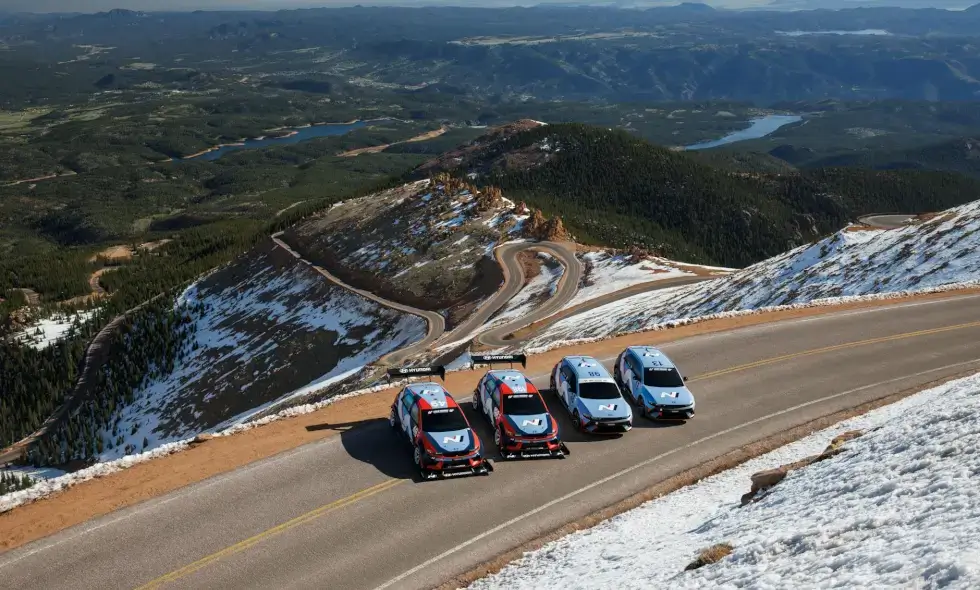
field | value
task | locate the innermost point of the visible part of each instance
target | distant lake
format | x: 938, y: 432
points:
x: 759, y: 127
x: 875, y: 32
x: 299, y: 134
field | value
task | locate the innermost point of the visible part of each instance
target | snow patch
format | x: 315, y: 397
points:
x: 899, y: 508
x: 49, y: 331
x: 610, y: 273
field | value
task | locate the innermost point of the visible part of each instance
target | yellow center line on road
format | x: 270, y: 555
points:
x: 243, y: 545
x: 333, y: 506
x: 834, y: 348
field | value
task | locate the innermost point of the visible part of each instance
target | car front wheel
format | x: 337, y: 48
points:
x: 498, y: 439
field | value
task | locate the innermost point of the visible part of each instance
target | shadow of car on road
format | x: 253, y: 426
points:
x: 375, y: 443
x: 643, y: 422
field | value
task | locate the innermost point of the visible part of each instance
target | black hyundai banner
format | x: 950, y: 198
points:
x: 489, y: 359
x: 418, y: 372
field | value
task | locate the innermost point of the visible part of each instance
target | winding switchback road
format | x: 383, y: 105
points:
x: 514, y: 281
x: 346, y: 512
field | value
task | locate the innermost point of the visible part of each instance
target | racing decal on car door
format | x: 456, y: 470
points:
x: 563, y: 388
x: 610, y: 407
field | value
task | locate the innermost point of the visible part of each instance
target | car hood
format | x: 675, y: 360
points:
x: 454, y: 441
x: 605, y: 408
x: 667, y: 396
x: 529, y: 425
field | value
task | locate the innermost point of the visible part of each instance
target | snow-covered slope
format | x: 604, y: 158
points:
x: 607, y: 273
x: 941, y: 252
x: 267, y: 330
x: 899, y: 508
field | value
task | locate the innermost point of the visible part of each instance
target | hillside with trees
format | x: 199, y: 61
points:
x: 615, y: 189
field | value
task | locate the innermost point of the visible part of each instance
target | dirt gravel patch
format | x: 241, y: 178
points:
x: 98, y: 497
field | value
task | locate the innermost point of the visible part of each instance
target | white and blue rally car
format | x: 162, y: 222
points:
x: 591, y: 395
x: 653, y: 382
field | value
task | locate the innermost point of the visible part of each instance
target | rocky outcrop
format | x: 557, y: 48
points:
x: 488, y: 200
x: 765, y: 480
x: 539, y: 228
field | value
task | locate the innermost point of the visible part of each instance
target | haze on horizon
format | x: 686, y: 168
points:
x: 90, y: 6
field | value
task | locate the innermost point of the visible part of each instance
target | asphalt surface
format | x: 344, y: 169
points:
x: 886, y: 221
x: 346, y: 513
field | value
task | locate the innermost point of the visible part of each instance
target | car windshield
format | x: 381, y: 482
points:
x: 662, y: 378
x: 525, y: 404
x: 598, y: 390
x: 444, y: 420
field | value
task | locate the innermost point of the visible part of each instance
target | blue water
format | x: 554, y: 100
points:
x: 302, y: 134
x: 872, y: 32
x: 759, y: 127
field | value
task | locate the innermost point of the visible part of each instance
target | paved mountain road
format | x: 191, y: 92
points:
x: 346, y: 513
x: 890, y: 221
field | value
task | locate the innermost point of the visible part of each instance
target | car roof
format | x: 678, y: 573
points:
x: 648, y: 354
x: 583, y: 365
x: 431, y: 395
x: 514, y: 380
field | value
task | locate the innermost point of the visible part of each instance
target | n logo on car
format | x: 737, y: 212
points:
x: 610, y: 407
x: 452, y: 439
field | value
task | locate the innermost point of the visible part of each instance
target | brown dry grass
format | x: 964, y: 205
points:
x: 114, y: 254
x: 151, y: 246
x: 710, y: 555
x: 148, y: 480
x: 530, y: 264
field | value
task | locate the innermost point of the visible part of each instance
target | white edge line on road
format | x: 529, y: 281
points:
x: 642, y: 464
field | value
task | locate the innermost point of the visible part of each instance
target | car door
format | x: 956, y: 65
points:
x: 413, y: 433
x: 401, y: 406
x: 486, y: 403
x: 634, y: 378
x: 623, y: 366
x: 568, y: 387
x: 494, y: 405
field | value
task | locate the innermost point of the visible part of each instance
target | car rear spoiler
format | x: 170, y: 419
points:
x: 490, y: 359
x: 417, y: 372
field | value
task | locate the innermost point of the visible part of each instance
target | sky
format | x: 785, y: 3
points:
x: 102, y: 5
